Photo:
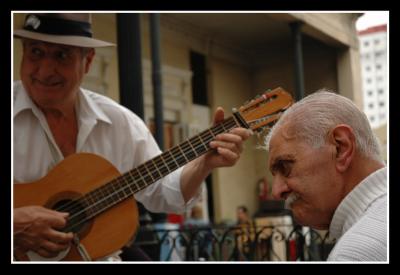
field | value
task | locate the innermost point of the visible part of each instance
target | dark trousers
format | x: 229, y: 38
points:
x: 134, y: 253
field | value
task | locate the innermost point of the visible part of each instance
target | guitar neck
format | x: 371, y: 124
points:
x: 154, y: 169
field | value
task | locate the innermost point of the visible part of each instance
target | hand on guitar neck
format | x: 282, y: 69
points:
x: 36, y: 229
x: 227, y: 149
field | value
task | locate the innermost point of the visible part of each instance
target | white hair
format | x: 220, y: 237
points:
x: 315, y: 115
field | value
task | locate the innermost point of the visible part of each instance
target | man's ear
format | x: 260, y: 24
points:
x: 342, y: 137
x: 89, y: 59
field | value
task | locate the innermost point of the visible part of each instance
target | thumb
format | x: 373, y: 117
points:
x: 64, y: 214
x: 218, y: 115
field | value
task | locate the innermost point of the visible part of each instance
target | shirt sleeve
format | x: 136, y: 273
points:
x: 164, y: 195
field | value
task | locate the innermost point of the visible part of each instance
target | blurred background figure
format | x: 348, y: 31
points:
x: 242, y: 214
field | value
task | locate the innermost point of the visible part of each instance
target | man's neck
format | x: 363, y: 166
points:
x: 362, y: 168
x: 64, y: 110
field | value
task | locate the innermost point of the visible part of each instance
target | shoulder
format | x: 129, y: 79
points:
x: 366, y: 240
x: 119, y: 115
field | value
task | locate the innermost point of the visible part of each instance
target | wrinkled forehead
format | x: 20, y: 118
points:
x: 282, y: 142
x: 282, y: 133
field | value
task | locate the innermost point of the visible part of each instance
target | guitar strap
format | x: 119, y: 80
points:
x: 81, y: 249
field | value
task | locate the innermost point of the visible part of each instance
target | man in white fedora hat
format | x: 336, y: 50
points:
x: 54, y: 118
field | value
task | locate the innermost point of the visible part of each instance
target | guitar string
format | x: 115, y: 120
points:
x: 199, y: 144
x: 85, y: 218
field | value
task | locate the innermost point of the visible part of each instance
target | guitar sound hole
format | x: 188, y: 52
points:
x: 77, y: 218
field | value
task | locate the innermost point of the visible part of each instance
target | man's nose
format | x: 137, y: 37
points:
x: 46, y: 68
x: 279, y: 188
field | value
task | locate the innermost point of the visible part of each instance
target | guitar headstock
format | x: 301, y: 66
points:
x: 263, y: 111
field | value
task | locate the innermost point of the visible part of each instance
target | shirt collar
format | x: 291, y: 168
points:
x: 354, y: 205
x: 21, y: 99
x: 88, y: 108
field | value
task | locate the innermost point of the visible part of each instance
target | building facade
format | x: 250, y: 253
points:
x: 373, y: 53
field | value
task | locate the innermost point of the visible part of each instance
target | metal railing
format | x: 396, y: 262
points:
x: 236, y: 243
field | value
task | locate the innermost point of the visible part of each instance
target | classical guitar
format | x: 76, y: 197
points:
x: 103, y: 211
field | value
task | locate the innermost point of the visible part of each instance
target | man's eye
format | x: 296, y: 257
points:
x: 285, y: 168
x: 36, y: 52
x: 62, y: 55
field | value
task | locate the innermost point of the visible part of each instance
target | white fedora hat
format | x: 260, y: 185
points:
x: 73, y: 29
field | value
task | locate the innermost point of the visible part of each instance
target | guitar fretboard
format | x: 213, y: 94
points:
x: 124, y: 186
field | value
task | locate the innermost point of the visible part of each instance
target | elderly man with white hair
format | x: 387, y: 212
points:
x: 326, y: 164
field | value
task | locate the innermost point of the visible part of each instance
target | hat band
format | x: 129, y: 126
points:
x: 56, y: 26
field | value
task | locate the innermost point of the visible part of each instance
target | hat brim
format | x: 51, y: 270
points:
x: 70, y: 40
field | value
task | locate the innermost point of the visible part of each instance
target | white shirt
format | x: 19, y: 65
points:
x: 360, y: 222
x: 106, y: 129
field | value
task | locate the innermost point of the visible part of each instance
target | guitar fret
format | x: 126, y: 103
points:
x: 133, y: 182
x: 202, y: 142
x: 102, y: 195
x: 141, y: 177
x: 89, y: 197
x: 117, y: 187
x: 155, y: 165
x: 146, y: 175
x: 194, y: 151
x: 148, y: 172
x: 183, y: 153
x: 191, y: 154
x: 165, y: 164
x: 178, y: 156
x: 125, y: 183
x: 206, y: 137
x: 154, y: 170
x: 212, y: 133
x: 223, y: 127
x: 177, y: 165
x: 162, y: 167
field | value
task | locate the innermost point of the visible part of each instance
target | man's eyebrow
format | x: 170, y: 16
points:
x: 281, y: 159
x: 32, y: 43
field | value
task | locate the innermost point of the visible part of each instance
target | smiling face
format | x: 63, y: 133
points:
x: 52, y: 73
x: 306, y: 178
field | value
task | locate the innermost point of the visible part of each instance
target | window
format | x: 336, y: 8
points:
x: 368, y: 68
x: 378, y: 66
x: 371, y: 105
x: 381, y: 103
x: 376, y: 42
x: 379, y: 79
x: 380, y: 91
x: 369, y: 80
x: 371, y: 118
x: 370, y: 93
x: 366, y: 43
x: 199, y: 82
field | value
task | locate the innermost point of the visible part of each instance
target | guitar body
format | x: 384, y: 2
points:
x: 75, y: 176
